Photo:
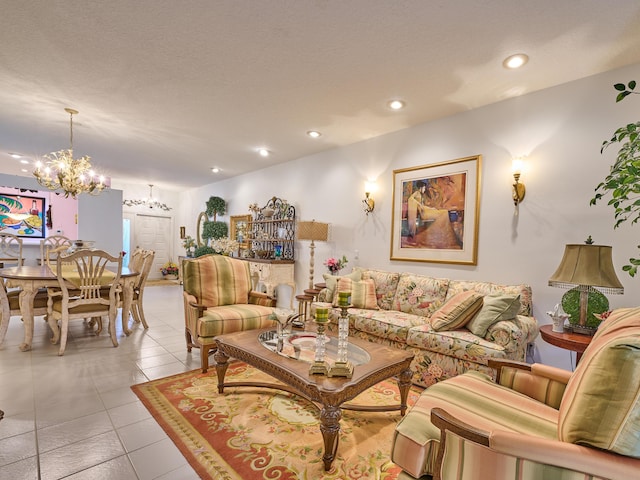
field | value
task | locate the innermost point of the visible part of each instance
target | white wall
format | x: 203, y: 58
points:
x: 560, y: 129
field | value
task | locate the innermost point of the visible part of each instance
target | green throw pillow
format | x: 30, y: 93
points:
x: 332, y: 281
x: 494, y: 309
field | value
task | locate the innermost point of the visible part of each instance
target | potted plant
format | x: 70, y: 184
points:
x: 189, y: 245
x: 215, y: 206
x: 623, y: 181
x: 169, y: 271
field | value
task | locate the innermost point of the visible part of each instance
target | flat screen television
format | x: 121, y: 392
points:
x: 22, y: 215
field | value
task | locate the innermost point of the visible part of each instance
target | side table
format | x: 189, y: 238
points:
x: 567, y: 340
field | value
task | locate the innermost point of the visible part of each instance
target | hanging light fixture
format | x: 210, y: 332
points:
x: 60, y: 171
x: 147, y: 202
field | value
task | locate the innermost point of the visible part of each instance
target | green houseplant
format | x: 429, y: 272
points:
x: 215, y: 206
x: 623, y: 180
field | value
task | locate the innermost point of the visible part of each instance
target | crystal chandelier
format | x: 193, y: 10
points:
x: 60, y: 171
x: 147, y: 202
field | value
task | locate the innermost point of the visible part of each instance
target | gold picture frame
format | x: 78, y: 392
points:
x: 239, y: 230
x: 435, y: 212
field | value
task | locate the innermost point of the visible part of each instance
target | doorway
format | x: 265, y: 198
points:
x: 151, y: 232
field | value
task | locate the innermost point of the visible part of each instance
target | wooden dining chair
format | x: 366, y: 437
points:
x: 51, y: 247
x: 138, y: 290
x: 10, y: 250
x: 80, y: 293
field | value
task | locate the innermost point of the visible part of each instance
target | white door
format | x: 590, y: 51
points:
x: 153, y: 232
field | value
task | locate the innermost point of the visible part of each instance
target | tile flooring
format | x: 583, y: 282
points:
x: 74, y: 416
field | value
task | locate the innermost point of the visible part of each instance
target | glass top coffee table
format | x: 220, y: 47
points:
x: 373, y: 363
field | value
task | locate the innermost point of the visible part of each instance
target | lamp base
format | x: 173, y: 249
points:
x: 341, y: 369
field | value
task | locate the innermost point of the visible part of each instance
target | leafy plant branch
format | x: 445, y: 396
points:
x: 623, y: 180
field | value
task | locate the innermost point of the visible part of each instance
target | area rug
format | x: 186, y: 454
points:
x: 256, y: 433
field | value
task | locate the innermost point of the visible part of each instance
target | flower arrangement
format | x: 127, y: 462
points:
x: 169, y: 268
x: 224, y: 245
x: 335, y: 265
x: 253, y: 207
x: 189, y: 244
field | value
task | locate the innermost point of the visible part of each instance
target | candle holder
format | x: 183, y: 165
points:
x: 342, y: 367
x: 319, y: 365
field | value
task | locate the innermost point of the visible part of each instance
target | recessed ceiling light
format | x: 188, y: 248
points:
x: 515, y: 61
x: 24, y: 170
x: 264, y: 152
x: 396, y: 104
x: 15, y: 155
x: 215, y: 170
x: 24, y: 162
x: 314, y: 133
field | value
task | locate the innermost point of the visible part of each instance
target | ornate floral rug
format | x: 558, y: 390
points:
x: 257, y: 433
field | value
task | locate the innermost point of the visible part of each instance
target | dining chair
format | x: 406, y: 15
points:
x: 10, y: 306
x: 11, y: 250
x: 51, y: 246
x: 80, y: 293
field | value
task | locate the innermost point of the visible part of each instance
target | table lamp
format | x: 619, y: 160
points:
x: 312, y: 231
x: 587, y: 270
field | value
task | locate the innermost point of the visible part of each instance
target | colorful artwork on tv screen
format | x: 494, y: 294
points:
x: 22, y: 215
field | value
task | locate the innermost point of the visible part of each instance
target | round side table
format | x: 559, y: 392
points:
x: 567, y: 340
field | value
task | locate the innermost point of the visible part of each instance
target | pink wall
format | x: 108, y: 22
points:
x: 64, y: 211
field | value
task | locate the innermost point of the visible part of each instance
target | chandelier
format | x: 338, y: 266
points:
x: 147, y: 202
x: 60, y: 171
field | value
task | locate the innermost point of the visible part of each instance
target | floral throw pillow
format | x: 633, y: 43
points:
x: 331, y: 282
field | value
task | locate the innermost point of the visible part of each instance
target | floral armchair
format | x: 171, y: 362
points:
x: 535, y: 421
x: 218, y: 299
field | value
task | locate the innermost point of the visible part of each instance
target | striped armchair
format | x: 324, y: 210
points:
x: 218, y: 299
x: 535, y: 422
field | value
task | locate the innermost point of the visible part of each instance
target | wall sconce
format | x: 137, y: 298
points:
x: 368, y: 202
x: 519, y: 189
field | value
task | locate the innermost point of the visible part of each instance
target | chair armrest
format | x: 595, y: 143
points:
x: 529, y: 448
x: 199, y: 307
x: 541, y: 382
x: 259, y: 298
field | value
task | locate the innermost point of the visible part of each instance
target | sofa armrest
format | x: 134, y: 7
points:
x: 540, y: 382
x: 259, y: 298
x: 529, y: 452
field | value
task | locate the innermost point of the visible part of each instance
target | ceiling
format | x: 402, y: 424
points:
x: 168, y: 89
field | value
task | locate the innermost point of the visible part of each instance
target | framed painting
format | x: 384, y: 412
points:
x: 22, y: 215
x: 239, y: 230
x: 435, y: 212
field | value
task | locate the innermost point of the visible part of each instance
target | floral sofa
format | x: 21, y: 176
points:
x: 398, y: 309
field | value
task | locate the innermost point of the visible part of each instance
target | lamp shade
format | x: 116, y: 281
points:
x: 313, y: 231
x: 587, y: 265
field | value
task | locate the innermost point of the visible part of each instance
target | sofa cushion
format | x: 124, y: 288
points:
x: 457, y: 311
x: 488, y: 288
x: 233, y: 318
x: 592, y: 411
x: 419, y: 294
x: 386, y: 286
x: 391, y: 325
x: 363, y: 294
x: 494, y: 309
x: 331, y: 281
x: 472, y: 398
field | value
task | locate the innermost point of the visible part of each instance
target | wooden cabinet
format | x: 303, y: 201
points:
x: 266, y: 275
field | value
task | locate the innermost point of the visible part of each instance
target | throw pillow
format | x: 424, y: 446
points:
x: 601, y: 404
x: 332, y: 281
x: 363, y: 294
x: 494, y: 309
x: 457, y: 311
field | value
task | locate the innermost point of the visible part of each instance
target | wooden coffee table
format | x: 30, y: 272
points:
x: 328, y: 394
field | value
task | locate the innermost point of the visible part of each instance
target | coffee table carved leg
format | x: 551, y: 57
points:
x: 330, y: 416
x: 404, y: 384
x: 221, y: 368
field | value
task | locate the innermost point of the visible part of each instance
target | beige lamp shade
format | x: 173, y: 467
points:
x: 587, y: 265
x: 313, y: 231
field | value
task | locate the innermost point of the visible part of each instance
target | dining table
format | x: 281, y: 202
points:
x: 31, y: 278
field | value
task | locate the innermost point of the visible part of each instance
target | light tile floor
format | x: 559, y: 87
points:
x: 75, y: 416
